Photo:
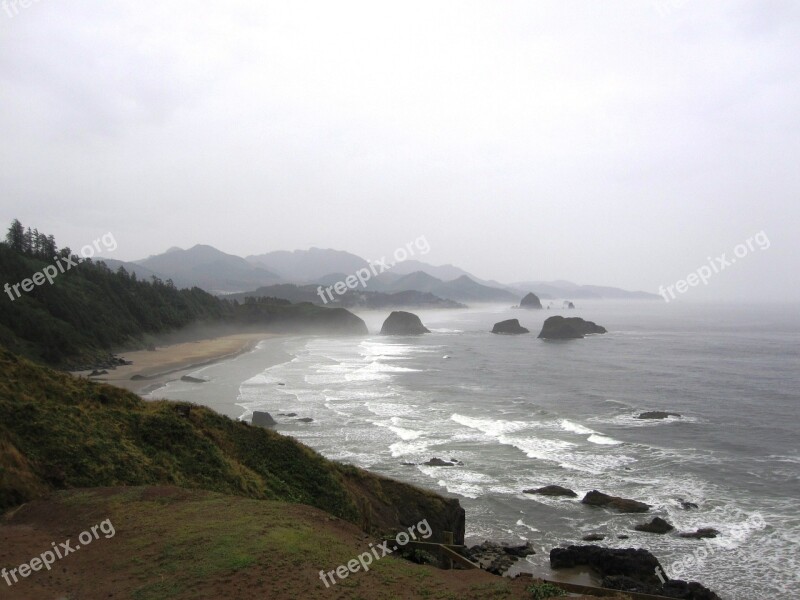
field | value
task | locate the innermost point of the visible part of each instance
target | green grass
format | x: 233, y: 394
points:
x: 61, y: 432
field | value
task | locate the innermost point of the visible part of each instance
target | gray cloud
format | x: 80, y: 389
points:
x: 608, y: 143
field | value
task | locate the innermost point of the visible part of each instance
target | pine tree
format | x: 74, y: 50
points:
x: 16, y: 236
x: 27, y: 241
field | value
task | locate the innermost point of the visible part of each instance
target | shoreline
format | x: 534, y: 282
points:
x: 154, y: 369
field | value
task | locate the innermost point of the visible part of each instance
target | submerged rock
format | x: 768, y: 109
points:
x: 596, y: 498
x: 552, y: 490
x: 403, y: 323
x: 190, y: 379
x: 593, y: 537
x: 568, y: 328
x: 686, y: 505
x: 509, y: 327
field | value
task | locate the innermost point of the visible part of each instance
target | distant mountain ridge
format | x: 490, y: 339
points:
x: 218, y: 272
x: 208, y: 268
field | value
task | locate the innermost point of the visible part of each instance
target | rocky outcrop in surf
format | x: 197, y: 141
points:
x: 530, y: 300
x: 630, y: 569
x: 657, y: 414
x: 657, y: 525
x: 596, y: 498
x: 403, y: 323
x: 509, y: 327
x: 263, y: 419
x: 552, y: 490
x: 568, y: 328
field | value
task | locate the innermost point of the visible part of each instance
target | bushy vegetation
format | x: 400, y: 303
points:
x: 90, y: 310
x: 58, y: 431
x: 542, y: 591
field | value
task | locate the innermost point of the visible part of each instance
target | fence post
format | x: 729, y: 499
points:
x: 448, y: 539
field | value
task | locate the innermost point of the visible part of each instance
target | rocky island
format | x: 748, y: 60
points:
x: 509, y: 327
x: 531, y: 300
x: 403, y: 323
x: 568, y: 328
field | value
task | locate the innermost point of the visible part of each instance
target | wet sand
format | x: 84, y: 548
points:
x: 152, y: 369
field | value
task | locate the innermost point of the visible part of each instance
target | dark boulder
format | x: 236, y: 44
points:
x: 530, y: 300
x: 686, y: 505
x: 703, y: 532
x: 657, y: 525
x: 403, y: 323
x: 595, y: 498
x: 637, y: 564
x: 438, y: 462
x: 190, y: 379
x: 510, y: 327
x: 498, y: 558
x: 306, y: 420
x: 552, y: 490
x: 263, y: 419
x: 657, y: 414
x: 593, y: 537
x: 568, y: 328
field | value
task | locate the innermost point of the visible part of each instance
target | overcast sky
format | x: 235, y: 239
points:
x: 617, y: 142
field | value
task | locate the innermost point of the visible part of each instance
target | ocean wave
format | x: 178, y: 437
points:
x: 596, y: 438
x: 491, y: 427
x: 416, y: 447
x: 568, y: 425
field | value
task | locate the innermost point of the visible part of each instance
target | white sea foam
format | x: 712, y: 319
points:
x: 568, y: 425
x: 415, y: 447
x: 491, y: 427
x: 603, y: 440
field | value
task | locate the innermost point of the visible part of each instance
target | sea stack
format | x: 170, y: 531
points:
x: 509, y: 327
x: 569, y: 328
x: 403, y: 323
x: 531, y: 300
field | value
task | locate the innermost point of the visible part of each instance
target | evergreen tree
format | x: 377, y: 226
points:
x: 16, y: 236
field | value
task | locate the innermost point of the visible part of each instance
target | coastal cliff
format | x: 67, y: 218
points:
x: 61, y: 432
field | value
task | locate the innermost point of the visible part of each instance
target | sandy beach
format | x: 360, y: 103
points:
x: 152, y: 369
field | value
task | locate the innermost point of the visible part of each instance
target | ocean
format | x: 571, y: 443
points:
x: 521, y: 413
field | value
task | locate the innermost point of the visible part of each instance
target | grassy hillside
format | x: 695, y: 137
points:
x: 89, y: 311
x: 172, y: 543
x: 58, y: 431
